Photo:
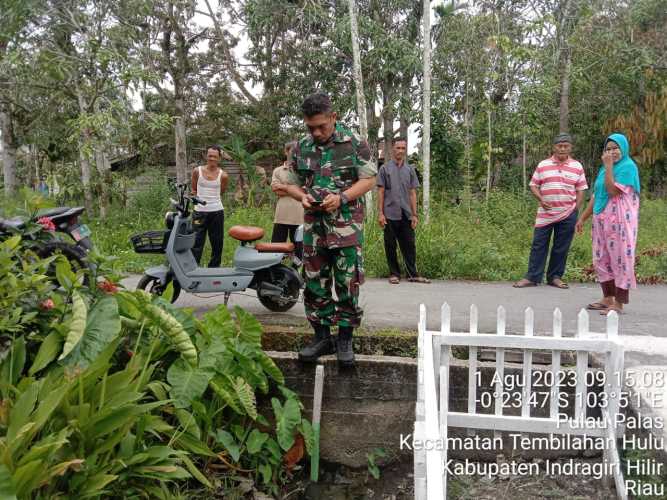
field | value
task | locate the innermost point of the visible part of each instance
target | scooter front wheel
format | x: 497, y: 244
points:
x: 153, y: 286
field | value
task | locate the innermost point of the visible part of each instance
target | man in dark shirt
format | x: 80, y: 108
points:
x: 397, y: 212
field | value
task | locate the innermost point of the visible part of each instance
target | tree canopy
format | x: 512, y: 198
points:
x: 86, y: 81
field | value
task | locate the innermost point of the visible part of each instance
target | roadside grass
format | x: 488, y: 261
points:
x: 488, y: 242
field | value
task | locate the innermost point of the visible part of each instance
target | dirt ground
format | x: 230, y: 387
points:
x: 396, y: 483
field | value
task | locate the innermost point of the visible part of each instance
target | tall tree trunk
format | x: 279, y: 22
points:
x: 373, y: 127
x: 358, y: 76
x: 426, y: 132
x: 467, y: 155
x: 84, y: 163
x: 8, y: 150
x: 84, y: 160
x: 387, y: 120
x: 566, y: 15
x: 564, y: 111
x: 404, y: 114
x: 103, y: 165
x: 488, y: 165
x: 523, y: 161
x: 180, y: 140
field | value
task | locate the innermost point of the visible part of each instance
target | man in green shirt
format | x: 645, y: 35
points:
x: 330, y: 171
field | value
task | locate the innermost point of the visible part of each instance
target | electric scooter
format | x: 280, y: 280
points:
x: 258, y: 266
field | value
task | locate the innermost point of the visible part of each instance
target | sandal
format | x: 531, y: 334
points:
x: 394, y: 280
x: 558, y: 284
x: 524, y: 283
x: 597, y: 306
x: 419, y: 279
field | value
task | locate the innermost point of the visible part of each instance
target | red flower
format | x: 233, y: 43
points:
x: 46, y: 223
x: 107, y: 286
x: 47, y: 305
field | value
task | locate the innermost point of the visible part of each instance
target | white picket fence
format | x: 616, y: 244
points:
x: 432, y: 409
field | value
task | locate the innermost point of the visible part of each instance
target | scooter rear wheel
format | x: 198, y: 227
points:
x: 153, y: 286
x: 282, y: 277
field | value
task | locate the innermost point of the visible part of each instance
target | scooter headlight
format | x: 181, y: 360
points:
x: 169, y: 219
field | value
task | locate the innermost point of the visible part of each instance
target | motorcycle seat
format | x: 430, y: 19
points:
x: 51, y: 212
x: 286, y: 247
x: 13, y: 223
x: 246, y: 233
x: 67, y: 214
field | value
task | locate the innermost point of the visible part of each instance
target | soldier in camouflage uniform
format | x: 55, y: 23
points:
x: 331, y: 170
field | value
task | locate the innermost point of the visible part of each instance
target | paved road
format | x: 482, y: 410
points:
x: 397, y: 306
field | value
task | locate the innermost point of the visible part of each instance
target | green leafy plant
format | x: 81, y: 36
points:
x: 85, y: 432
x: 23, y: 287
x: 373, y: 468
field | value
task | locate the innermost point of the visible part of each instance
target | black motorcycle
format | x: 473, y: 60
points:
x: 45, y: 236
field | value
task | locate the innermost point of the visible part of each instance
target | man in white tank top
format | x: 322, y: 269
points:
x: 209, y: 182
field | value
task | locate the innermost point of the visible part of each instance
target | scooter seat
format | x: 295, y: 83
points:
x: 285, y: 247
x: 246, y: 233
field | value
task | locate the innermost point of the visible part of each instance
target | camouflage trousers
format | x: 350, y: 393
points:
x: 341, y: 267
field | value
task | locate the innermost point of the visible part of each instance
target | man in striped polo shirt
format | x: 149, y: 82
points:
x: 558, y: 183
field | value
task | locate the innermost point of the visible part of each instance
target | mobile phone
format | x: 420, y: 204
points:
x: 316, y: 203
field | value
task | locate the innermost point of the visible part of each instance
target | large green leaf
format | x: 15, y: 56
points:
x: 48, y: 351
x: 216, y: 356
x: 230, y: 444
x: 270, y: 368
x: 255, y: 441
x: 7, y: 489
x: 64, y: 274
x: 196, y: 473
x: 46, y: 446
x: 95, y: 484
x: 222, y: 387
x: 246, y: 396
x: 12, y: 365
x: 184, y: 316
x: 20, y: 413
x: 78, y: 324
x: 108, y: 422
x: 27, y: 477
x: 250, y: 330
x: 188, y: 422
x: 187, y: 382
x: 287, y: 418
x: 102, y: 327
x: 193, y: 445
x: 219, y: 322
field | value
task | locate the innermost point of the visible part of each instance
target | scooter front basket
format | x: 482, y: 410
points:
x: 150, y: 241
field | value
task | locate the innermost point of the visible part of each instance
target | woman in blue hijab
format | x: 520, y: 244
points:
x: 615, y: 209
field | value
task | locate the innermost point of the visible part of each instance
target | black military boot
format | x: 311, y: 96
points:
x: 322, y: 344
x: 344, y: 348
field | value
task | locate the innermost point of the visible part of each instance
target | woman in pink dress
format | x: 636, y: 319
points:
x: 615, y: 209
